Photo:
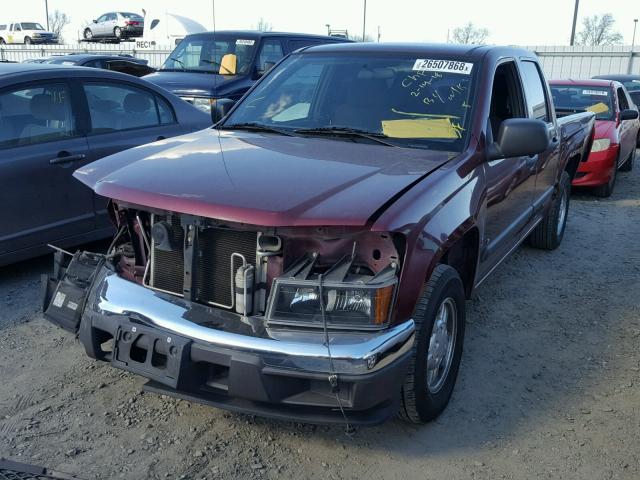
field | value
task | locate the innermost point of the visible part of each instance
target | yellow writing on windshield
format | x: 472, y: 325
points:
x: 598, y: 108
x: 422, y: 128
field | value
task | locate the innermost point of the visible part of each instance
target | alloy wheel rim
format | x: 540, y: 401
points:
x: 441, y: 345
x: 562, y: 215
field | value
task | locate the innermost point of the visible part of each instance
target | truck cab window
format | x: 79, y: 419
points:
x: 270, y: 54
x: 536, y: 95
x: 622, y: 100
x: 506, y: 97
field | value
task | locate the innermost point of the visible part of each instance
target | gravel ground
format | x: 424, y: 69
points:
x: 548, y: 385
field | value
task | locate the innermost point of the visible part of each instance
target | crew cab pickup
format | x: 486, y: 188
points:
x: 309, y: 257
x: 27, y: 33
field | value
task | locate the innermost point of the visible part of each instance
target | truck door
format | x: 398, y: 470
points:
x: 510, y: 181
x: 627, y: 129
x: 546, y: 164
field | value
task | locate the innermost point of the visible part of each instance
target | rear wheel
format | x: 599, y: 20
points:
x: 437, y: 349
x: 2, y: 42
x: 604, y: 191
x: 549, y: 233
x: 27, y: 40
x: 88, y: 34
x: 628, y: 165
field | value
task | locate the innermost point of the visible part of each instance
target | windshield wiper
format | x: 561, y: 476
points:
x: 347, y: 132
x: 179, y: 62
x: 255, y: 127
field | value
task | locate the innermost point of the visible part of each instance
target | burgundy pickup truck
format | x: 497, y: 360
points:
x: 309, y: 257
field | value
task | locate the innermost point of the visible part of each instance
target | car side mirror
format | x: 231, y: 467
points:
x: 519, y: 137
x: 95, y: 21
x: 221, y: 109
x: 628, y: 114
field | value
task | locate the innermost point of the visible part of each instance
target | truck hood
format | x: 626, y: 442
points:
x: 262, y: 179
x: 193, y: 84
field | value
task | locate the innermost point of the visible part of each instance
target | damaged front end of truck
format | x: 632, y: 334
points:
x: 295, y: 323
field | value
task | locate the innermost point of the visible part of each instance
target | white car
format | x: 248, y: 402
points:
x: 27, y: 33
x: 115, y: 25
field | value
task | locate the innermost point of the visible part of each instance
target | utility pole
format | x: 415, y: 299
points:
x: 328, y: 29
x: 379, y: 34
x: 633, y: 44
x: 46, y: 9
x: 573, y: 26
x: 364, y: 20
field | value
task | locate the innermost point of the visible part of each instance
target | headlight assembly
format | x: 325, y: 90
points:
x: 357, y: 302
x: 202, y: 103
x: 600, y: 145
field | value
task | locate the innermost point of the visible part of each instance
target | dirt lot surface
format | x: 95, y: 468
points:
x: 549, y: 384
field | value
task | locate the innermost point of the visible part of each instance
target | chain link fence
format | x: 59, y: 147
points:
x: 557, y: 61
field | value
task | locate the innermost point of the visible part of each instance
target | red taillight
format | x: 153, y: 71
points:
x: 132, y: 23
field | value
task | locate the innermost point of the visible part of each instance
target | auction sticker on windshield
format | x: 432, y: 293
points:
x: 448, y: 66
x: 245, y: 42
x: 603, y: 93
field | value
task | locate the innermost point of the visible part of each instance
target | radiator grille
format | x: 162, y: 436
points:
x: 168, y: 267
x: 212, y: 272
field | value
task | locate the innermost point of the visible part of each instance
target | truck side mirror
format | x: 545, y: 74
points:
x: 266, y: 66
x: 628, y: 114
x: 519, y: 137
x: 221, y: 108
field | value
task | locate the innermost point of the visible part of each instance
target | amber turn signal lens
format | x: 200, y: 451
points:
x: 383, y: 303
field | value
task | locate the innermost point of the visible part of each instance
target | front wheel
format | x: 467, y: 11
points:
x: 604, y: 191
x: 437, y: 348
x: 117, y: 32
x: 88, y: 34
x: 549, y: 233
x: 27, y: 40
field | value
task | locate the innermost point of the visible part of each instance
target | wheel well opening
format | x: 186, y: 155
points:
x: 463, y: 256
x: 572, y: 165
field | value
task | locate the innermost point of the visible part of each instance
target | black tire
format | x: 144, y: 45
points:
x: 418, y: 403
x: 604, y: 191
x: 87, y: 34
x: 27, y: 40
x: 2, y: 42
x: 117, y: 33
x: 549, y: 233
x: 628, y: 165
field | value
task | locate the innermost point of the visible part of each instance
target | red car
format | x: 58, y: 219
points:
x: 616, y: 134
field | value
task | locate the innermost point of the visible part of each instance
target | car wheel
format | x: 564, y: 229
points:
x: 604, y: 191
x: 88, y: 34
x: 628, y: 165
x: 2, y: 42
x: 437, y: 348
x: 549, y: 233
x: 117, y: 32
x: 27, y: 40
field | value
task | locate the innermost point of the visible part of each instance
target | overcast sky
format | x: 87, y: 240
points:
x: 522, y: 22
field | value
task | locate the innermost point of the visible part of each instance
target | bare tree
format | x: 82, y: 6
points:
x: 358, y: 38
x: 469, y: 33
x: 598, y: 30
x: 263, y: 25
x: 57, y: 21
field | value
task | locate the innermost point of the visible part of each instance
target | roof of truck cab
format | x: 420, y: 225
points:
x: 259, y: 34
x: 432, y: 49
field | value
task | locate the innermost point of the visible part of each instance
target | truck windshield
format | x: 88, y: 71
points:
x: 31, y: 26
x: 570, y: 99
x: 205, y: 53
x: 408, y: 101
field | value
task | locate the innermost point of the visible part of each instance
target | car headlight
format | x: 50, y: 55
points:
x: 203, y: 103
x: 364, y: 303
x: 600, y: 145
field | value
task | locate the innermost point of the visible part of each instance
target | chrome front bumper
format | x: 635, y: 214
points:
x: 353, y: 353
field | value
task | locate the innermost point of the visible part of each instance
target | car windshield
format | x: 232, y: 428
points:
x: 583, y: 98
x: 632, y: 85
x: 205, y: 54
x: 408, y: 101
x: 31, y: 26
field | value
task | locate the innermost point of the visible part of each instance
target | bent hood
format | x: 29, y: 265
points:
x: 267, y: 180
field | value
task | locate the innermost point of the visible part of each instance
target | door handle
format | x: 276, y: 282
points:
x: 65, y: 157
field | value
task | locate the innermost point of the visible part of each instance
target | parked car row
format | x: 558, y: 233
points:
x: 617, y: 133
x: 118, y: 63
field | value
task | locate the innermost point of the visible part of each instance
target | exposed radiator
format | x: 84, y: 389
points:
x: 213, y: 253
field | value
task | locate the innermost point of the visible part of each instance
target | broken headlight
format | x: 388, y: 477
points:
x: 344, y: 300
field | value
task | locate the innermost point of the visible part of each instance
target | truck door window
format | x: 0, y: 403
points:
x: 270, y: 54
x: 622, y: 99
x: 535, y: 90
x: 506, y: 96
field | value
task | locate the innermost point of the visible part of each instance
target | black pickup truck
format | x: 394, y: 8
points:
x: 308, y: 258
